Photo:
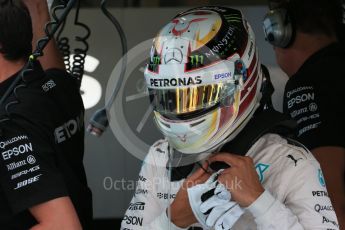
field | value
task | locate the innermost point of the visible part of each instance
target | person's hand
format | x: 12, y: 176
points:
x: 241, y: 179
x: 40, y: 16
x: 35, y: 3
x: 218, y: 211
x: 181, y: 212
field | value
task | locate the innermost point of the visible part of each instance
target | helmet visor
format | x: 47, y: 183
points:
x: 189, y: 101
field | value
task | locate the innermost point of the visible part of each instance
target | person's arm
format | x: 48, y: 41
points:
x: 321, y: 126
x: 64, y: 216
x: 332, y: 161
x: 31, y: 181
x: 40, y: 16
x: 307, y: 205
x: 182, y: 215
x: 146, y: 210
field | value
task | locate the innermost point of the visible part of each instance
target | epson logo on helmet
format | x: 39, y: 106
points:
x: 176, y: 82
x: 222, y: 75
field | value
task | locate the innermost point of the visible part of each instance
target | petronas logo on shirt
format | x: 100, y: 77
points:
x: 321, y: 178
x: 261, y: 169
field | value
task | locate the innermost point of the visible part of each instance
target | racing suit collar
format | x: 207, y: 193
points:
x: 268, y: 121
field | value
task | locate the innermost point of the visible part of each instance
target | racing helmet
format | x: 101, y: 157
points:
x: 204, y: 78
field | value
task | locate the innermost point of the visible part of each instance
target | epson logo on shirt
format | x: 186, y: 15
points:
x: 16, y: 151
x: 133, y: 220
x: 68, y: 129
x: 176, y: 82
x: 300, y: 98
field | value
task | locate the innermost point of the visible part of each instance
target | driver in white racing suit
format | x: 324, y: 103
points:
x: 207, y: 88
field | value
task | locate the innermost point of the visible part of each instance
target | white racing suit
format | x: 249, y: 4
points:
x: 295, y: 194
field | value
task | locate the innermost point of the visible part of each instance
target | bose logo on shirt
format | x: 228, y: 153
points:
x: 27, y: 182
x: 21, y: 149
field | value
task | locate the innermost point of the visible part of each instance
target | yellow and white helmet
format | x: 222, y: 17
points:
x: 204, y: 78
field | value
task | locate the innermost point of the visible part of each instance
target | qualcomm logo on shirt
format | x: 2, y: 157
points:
x: 261, y: 169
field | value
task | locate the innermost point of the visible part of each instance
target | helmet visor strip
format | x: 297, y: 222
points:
x: 191, y: 100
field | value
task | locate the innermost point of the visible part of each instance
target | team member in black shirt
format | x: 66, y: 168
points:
x: 304, y: 36
x: 42, y: 178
